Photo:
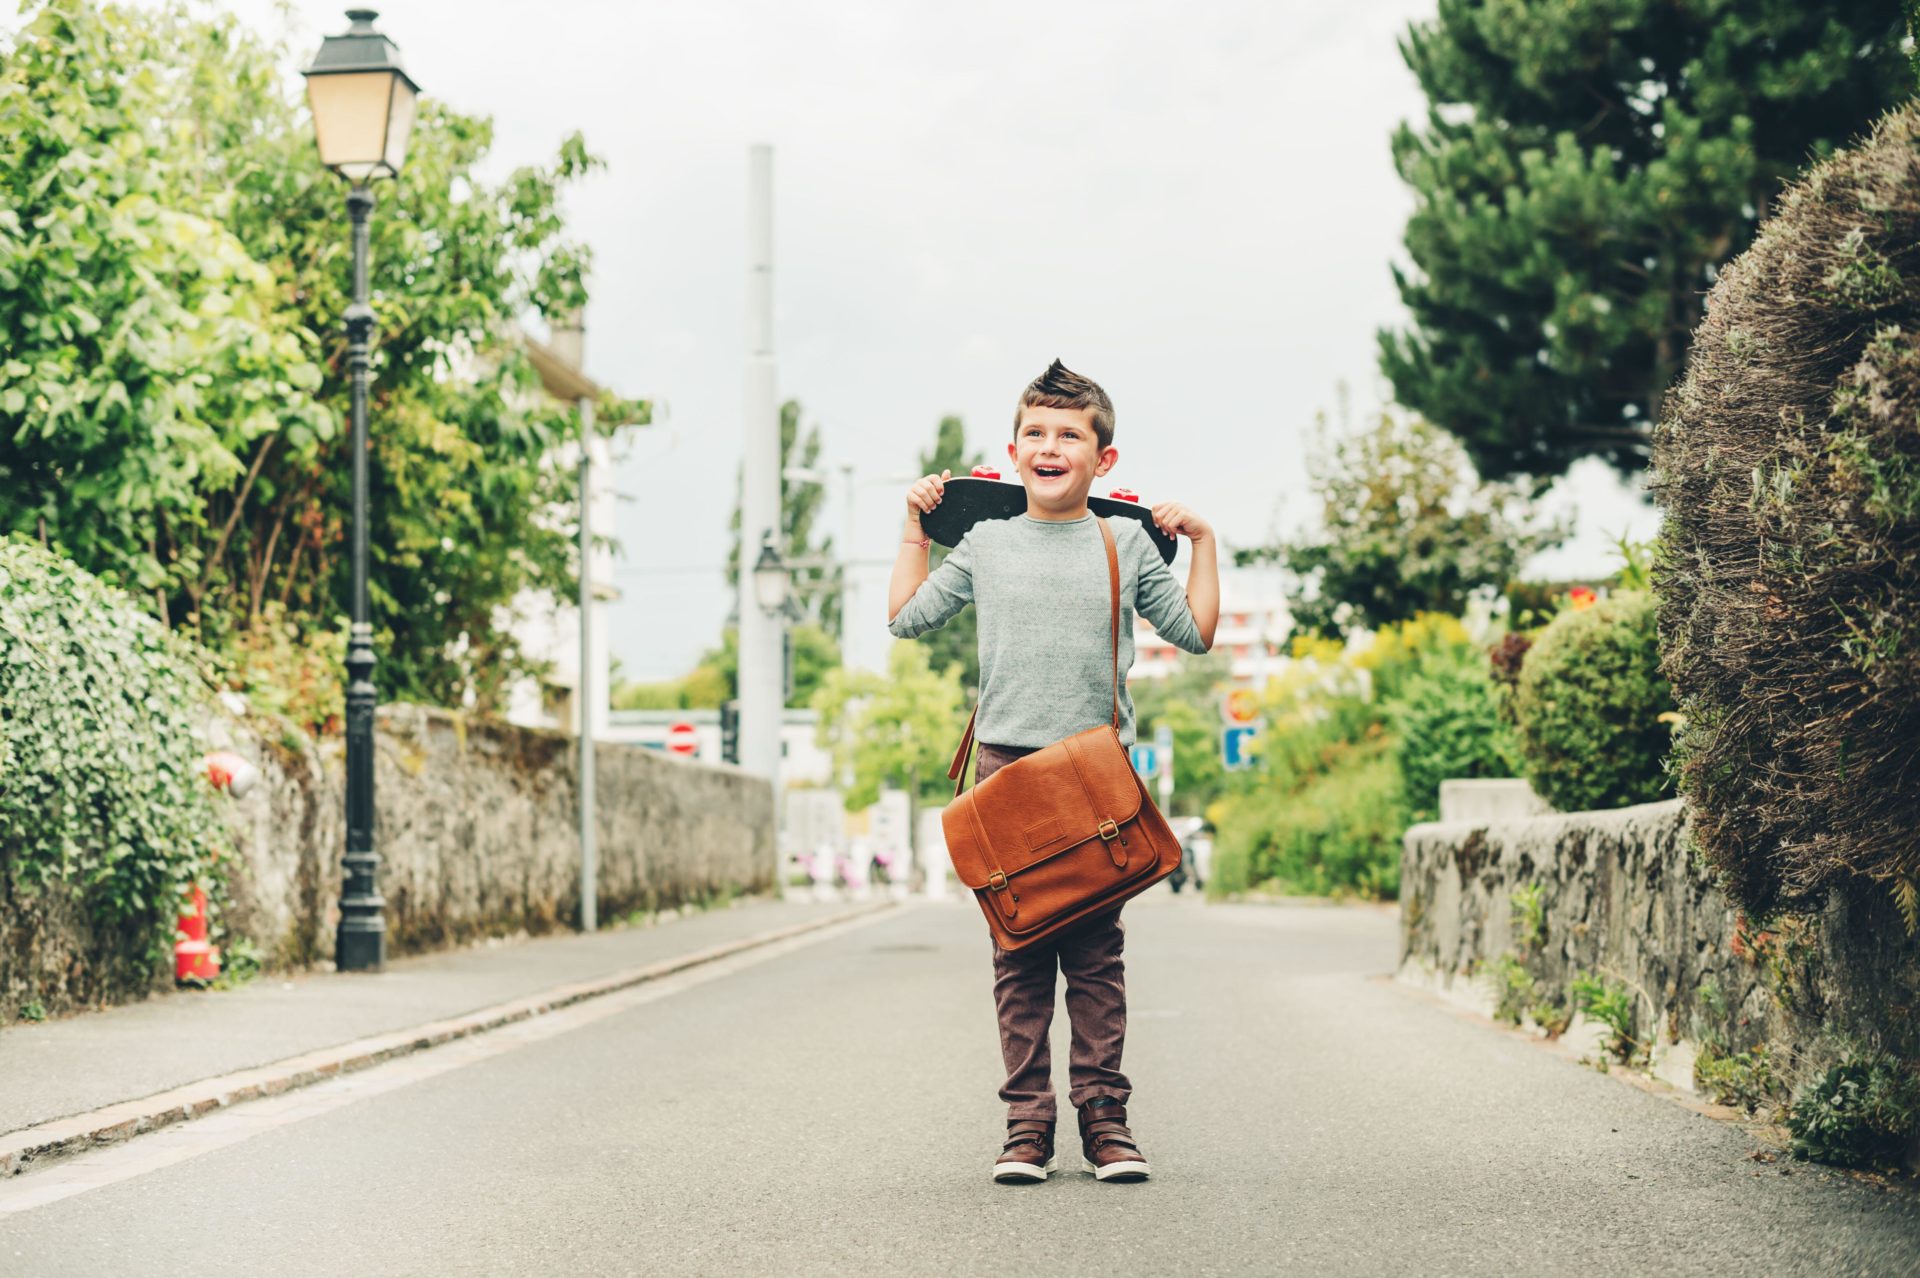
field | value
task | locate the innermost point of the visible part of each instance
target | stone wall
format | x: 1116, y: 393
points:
x: 1623, y: 898
x: 476, y: 826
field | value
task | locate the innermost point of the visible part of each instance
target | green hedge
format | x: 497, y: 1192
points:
x: 1447, y: 724
x: 1588, y: 704
x: 1787, y: 465
x: 100, y: 742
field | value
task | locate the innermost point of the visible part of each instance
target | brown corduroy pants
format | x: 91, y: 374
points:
x: 1089, y: 956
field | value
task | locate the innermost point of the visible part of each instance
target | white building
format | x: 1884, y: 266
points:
x: 1254, y: 623
x: 549, y: 628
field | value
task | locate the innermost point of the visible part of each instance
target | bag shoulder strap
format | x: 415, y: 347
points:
x: 959, y: 764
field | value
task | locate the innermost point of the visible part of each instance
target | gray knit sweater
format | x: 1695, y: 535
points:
x: 1040, y: 588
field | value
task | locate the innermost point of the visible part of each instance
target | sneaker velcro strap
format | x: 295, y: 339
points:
x: 1024, y: 1135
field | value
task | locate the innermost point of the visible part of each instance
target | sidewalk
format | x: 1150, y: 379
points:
x: 82, y: 1064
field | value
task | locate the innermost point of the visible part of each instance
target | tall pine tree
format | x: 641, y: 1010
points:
x: 1585, y: 167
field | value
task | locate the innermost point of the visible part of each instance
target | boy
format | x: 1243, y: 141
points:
x: 1041, y: 589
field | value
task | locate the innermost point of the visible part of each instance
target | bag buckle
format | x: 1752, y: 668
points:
x: 999, y: 886
x: 1108, y: 830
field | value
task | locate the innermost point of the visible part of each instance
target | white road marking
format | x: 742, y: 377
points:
x: 243, y: 1122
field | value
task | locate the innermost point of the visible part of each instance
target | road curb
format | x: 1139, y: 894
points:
x: 30, y: 1147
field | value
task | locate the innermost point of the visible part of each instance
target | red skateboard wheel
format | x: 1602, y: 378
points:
x: 1124, y: 494
x: 985, y: 472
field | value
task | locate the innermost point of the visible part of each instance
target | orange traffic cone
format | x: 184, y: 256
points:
x: 194, y: 957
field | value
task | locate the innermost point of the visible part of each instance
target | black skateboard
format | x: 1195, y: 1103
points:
x: 969, y: 500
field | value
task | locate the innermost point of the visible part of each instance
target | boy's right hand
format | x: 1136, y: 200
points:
x: 926, y: 494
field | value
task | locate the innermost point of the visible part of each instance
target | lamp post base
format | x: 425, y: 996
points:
x: 360, y: 945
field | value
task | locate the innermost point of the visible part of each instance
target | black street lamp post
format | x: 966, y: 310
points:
x: 363, y: 107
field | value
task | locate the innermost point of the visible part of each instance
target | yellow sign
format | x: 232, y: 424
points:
x: 1242, y: 705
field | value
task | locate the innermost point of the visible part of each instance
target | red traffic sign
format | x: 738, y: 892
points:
x: 681, y: 738
x: 1240, y: 706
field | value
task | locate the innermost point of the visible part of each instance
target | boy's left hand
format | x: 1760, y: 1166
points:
x: 1173, y: 518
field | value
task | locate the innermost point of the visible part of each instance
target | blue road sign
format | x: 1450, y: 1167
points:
x: 1235, y: 747
x: 1146, y: 761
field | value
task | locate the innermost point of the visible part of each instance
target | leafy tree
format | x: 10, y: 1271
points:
x: 1405, y: 528
x: 818, y: 590
x: 1582, y: 172
x: 896, y: 730
x: 173, y: 271
x: 958, y: 642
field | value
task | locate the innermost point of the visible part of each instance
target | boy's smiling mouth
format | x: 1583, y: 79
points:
x: 1049, y: 472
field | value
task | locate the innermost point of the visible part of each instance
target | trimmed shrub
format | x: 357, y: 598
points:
x: 1787, y: 464
x: 100, y: 741
x: 1447, y: 724
x: 1588, y: 704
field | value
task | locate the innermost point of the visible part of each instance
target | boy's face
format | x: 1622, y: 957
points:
x: 1058, y: 455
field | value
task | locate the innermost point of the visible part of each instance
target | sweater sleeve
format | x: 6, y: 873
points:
x: 1161, y: 599
x: 947, y: 590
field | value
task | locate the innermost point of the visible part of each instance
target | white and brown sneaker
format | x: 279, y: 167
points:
x: 1108, y: 1147
x: 1028, y: 1154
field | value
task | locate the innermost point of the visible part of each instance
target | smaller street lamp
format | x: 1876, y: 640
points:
x: 770, y: 579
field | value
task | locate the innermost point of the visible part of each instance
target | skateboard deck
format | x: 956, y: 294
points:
x: 968, y: 501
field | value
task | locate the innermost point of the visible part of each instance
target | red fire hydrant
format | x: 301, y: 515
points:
x: 195, y: 958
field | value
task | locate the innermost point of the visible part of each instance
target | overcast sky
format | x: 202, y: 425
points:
x: 1193, y: 204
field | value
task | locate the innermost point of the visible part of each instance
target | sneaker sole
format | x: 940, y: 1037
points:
x: 1125, y: 1173
x: 1022, y: 1173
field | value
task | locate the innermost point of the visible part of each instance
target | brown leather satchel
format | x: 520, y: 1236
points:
x: 1063, y: 833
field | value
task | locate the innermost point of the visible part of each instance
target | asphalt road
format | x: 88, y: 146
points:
x: 830, y: 1109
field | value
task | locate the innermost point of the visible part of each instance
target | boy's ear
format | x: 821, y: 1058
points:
x: 1013, y: 454
x: 1109, y: 458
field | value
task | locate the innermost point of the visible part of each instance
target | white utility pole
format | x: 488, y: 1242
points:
x: 589, y: 835
x: 762, y: 664
x: 846, y: 564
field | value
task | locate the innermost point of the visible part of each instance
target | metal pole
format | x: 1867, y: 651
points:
x: 361, y: 943
x: 589, y: 847
x: 761, y: 702
x: 846, y: 563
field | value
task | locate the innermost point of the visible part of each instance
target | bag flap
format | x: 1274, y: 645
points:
x: 1039, y: 805
x: 971, y: 864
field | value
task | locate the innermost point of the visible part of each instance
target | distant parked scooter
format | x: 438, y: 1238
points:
x: 1191, y: 831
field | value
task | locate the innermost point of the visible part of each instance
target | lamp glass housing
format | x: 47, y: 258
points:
x: 363, y: 121
x: 770, y: 581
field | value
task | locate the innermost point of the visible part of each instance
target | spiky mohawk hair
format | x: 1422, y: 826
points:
x: 1061, y: 387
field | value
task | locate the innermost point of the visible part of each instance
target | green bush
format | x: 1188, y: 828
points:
x: 100, y: 741
x: 1338, y: 833
x: 1860, y: 1113
x: 1788, y: 469
x: 1588, y: 707
x: 1447, y: 724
